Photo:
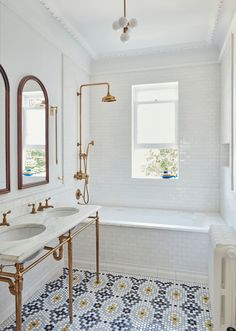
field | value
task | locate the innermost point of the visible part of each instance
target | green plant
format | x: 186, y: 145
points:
x: 39, y: 158
x: 158, y: 161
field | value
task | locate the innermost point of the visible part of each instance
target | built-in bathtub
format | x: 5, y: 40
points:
x: 159, y: 219
x: 163, y: 243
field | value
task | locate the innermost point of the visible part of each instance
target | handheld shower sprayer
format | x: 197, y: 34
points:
x: 83, y: 174
x: 89, y: 144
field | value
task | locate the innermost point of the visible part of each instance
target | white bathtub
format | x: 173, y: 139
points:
x: 159, y: 219
x: 170, y: 244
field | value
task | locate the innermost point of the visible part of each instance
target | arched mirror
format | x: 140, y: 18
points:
x: 4, y: 132
x: 33, y: 164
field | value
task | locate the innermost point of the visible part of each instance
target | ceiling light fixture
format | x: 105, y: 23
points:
x: 125, y: 24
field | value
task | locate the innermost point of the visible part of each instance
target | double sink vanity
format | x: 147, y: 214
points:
x: 24, y: 242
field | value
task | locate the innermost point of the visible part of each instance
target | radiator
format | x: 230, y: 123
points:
x: 222, y: 276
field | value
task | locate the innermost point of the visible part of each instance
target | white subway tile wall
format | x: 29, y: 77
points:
x: 110, y: 162
x: 227, y: 196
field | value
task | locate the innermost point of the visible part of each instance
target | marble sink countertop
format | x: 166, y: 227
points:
x: 21, y: 250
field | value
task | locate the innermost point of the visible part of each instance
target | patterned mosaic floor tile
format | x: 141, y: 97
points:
x: 118, y: 303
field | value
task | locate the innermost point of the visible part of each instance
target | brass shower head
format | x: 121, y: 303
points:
x: 109, y: 98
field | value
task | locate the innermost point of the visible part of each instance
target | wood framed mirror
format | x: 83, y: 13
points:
x: 4, y: 132
x: 33, y: 149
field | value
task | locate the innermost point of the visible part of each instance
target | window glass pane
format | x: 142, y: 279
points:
x: 156, y: 123
x: 155, y: 163
x: 161, y: 92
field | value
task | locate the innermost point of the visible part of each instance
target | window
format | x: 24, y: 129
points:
x: 155, y: 131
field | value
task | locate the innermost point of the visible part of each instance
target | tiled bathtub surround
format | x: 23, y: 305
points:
x: 118, y: 303
x: 155, y: 242
x: 155, y: 252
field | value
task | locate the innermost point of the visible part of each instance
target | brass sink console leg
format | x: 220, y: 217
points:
x: 97, y: 248
x: 70, y: 279
x: 18, y: 295
x: 15, y: 280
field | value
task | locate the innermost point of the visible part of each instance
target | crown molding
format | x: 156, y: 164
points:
x: 41, y: 22
x: 215, y: 22
x: 169, y: 49
x: 54, y: 12
x: 155, y: 68
x: 187, y: 55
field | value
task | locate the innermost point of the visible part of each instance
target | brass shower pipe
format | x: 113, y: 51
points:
x: 83, y: 157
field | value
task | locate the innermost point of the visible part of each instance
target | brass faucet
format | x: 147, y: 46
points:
x: 41, y: 207
x: 33, y: 211
x: 4, y: 220
x: 47, y: 205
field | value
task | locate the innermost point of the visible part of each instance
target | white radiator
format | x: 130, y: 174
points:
x: 222, y: 276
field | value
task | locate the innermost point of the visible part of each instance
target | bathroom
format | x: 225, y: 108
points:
x: 131, y: 224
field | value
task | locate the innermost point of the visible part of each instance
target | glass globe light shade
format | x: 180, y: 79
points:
x: 133, y: 23
x: 123, y: 22
x: 124, y: 37
x: 115, y: 25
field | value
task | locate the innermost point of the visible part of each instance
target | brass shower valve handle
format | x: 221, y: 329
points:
x: 4, y: 220
x: 78, y: 194
x: 84, y: 156
x: 33, y: 211
x: 80, y: 175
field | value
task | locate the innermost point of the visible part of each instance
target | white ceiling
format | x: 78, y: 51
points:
x: 162, y: 23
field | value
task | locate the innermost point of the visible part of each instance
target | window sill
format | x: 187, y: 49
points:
x: 156, y: 178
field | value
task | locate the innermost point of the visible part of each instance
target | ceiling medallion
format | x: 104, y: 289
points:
x: 125, y: 24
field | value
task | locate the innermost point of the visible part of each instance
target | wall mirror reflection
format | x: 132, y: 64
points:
x: 4, y: 132
x: 33, y: 167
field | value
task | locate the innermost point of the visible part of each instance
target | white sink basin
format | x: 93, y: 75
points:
x: 21, y: 232
x: 62, y: 212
